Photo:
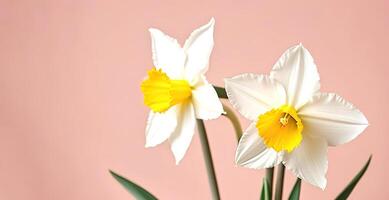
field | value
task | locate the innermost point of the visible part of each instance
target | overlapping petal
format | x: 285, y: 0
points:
x: 167, y: 54
x: 297, y: 71
x: 206, y: 102
x: 309, y: 161
x: 253, y: 153
x: 182, y: 136
x: 160, y: 126
x: 253, y: 94
x: 198, y: 48
x: 332, y: 117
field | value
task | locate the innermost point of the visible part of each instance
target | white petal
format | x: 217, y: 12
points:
x: 160, y: 126
x: 332, y: 117
x: 253, y: 153
x: 297, y: 71
x: 253, y: 94
x: 167, y: 54
x: 198, y: 48
x: 309, y: 161
x: 182, y: 136
x: 206, y: 102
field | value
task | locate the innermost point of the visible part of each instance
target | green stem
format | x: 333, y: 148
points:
x: 208, y: 160
x: 234, y: 120
x: 221, y: 92
x: 269, y: 178
x: 280, y: 182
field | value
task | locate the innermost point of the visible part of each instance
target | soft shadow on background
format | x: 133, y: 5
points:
x: 71, y: 106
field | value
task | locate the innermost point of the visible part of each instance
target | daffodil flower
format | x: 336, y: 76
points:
x: 176, y: 90
x: 293, y: 122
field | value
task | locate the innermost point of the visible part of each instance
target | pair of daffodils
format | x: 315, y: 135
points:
x: 292, y: 122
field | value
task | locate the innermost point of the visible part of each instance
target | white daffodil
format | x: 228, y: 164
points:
x: 293, y: 122
x: 176, y: 90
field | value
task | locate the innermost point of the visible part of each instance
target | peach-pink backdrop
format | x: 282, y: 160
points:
x: 71, y: 107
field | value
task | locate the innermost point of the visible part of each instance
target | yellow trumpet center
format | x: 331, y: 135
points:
x: 280, y: 128
x: 161, y: 93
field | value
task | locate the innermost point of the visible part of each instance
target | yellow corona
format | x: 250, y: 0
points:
x: 161, y: 93
x: 280, y: 128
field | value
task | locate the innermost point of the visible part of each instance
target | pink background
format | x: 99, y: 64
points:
x: 71, y: 107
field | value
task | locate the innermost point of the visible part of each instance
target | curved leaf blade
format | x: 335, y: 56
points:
x: 349, y: 188
x: 265, y: 194
x: 137, y: 191
x: 295, y: 193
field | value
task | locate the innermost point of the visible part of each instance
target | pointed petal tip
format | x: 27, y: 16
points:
x: 236, y: 164
x: 300, y: 46
x: 324, y: 185
x: 212, y: 20
x: 178, y: 160
x: 154, y: 32
x: 210, y: 24
x: 237, y: 161
x: 177, y: 157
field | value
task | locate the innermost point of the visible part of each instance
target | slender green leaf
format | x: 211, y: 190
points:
x: 269, y: 177
x: 138, y: 192
x: 347, y: 191
x: 221, y: 92
x: 265, y: 194
x: 295, y: 193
